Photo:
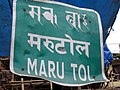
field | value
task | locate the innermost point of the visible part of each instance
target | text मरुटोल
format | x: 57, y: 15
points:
x: 50, y: 45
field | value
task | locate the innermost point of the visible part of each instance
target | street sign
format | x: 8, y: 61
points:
x: 57, y: 42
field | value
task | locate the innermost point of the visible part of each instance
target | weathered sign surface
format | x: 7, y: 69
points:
x: 57, y: 42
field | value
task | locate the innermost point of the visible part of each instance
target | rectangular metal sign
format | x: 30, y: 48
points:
x: 57, y: 42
